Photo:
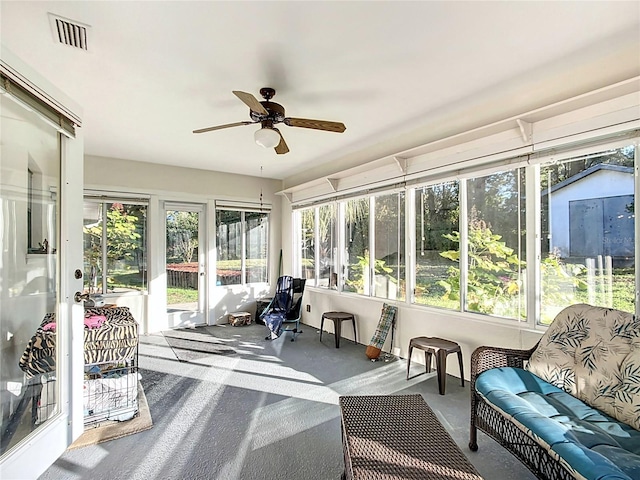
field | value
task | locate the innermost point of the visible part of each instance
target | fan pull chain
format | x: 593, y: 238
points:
x: 261, y: 189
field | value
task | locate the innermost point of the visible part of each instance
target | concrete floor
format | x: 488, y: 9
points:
x: 268, y: 411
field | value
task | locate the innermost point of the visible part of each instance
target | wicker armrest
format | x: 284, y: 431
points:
x: 485, y: 358
x: 482, y: 359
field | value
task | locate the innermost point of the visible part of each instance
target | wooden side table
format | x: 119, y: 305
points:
x: 338, y: 318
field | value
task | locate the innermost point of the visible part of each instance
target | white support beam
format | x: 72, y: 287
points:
x: 402, y: 164
x: 334, y: 183
x: 525, y: 130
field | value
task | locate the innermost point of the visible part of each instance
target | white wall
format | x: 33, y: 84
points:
x: 170, y: 183
x: 468, y: 330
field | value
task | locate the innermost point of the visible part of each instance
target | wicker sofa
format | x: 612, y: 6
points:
x: 570, y: 406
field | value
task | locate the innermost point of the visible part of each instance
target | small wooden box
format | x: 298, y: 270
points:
x: 238, y: 319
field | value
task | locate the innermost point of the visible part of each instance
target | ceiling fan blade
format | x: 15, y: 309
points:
x: 220, y: 127
x: 315, y: 124
x: 251, y: 102
x: 282, y: 147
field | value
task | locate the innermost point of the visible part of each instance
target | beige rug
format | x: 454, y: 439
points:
x: 110, y: 430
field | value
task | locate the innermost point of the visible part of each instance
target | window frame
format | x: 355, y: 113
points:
x: 244, y: 247
x: 105, y: 200
x: 520, y: 231
x: 577, y: 153
x: 532, y: 224
x: 401, y: 239
x: 412, y: 217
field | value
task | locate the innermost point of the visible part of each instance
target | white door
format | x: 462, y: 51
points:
x: 41, y: 247
x: 185, y: 254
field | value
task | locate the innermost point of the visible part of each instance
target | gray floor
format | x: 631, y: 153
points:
x: 267, y: 411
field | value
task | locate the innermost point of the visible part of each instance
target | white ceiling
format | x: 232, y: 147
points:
x: 397, y: 74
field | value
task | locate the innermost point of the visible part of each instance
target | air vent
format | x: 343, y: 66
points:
x: 69, y: 32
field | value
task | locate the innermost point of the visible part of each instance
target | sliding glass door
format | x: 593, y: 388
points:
x: 40, y: 323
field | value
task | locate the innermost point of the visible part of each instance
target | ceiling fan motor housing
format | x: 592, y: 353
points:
x: 276, y: 113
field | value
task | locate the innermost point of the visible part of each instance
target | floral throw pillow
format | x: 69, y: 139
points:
x: 593, y: 353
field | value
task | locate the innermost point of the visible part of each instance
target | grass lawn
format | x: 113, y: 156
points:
x: 621, y: 296
x: 427, y: 291
x: 181, y: 295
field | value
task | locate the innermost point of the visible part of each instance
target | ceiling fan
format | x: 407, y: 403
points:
x: 268, y: 114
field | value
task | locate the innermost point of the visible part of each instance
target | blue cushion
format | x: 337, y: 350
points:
x: 591, y: 464
x: 594, y: 444
x: 514, y: 380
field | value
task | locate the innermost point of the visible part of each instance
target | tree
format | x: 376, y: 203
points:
x: 182, y: 234
x: 356, y: 281
x: 558, y: 172
x: 493, y: 273
x: 437, y: 211
x: 357, y: 240
x: 122, y: 238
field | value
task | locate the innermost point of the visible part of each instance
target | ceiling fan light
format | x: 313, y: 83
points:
x: 267, y: 137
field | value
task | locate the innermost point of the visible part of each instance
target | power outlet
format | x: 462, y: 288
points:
x: 308, y: 308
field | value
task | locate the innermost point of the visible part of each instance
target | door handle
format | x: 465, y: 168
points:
x: 79, y: 297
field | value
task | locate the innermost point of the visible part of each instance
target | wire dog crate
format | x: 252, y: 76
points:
x: 110, y: 391
x: 45, y: 397
x: 110, y: 369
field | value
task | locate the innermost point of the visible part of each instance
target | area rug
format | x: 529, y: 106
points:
x: 194, y: 344
x: 110, y: 430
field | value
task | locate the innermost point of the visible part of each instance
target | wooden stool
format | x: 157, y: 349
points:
x: 440, y: 348
x: 338, y: 318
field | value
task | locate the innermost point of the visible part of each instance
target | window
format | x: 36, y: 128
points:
x: 307, y: 237
x: 318, y: 245
x: 256, y: 233
x: 496, y: 244
x: 41, y: 199
x: 373, y: 232
x: 437, y: 255
x: 588, y: 236
x: 389, y: 230
x: 471, y: 241
x: 242, y: 245
x: 356, y: 241
x: 114, y: 246
x: 229, y: 244
x: 327, y: 246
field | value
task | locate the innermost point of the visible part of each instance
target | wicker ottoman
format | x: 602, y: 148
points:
x: 398, y: 437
